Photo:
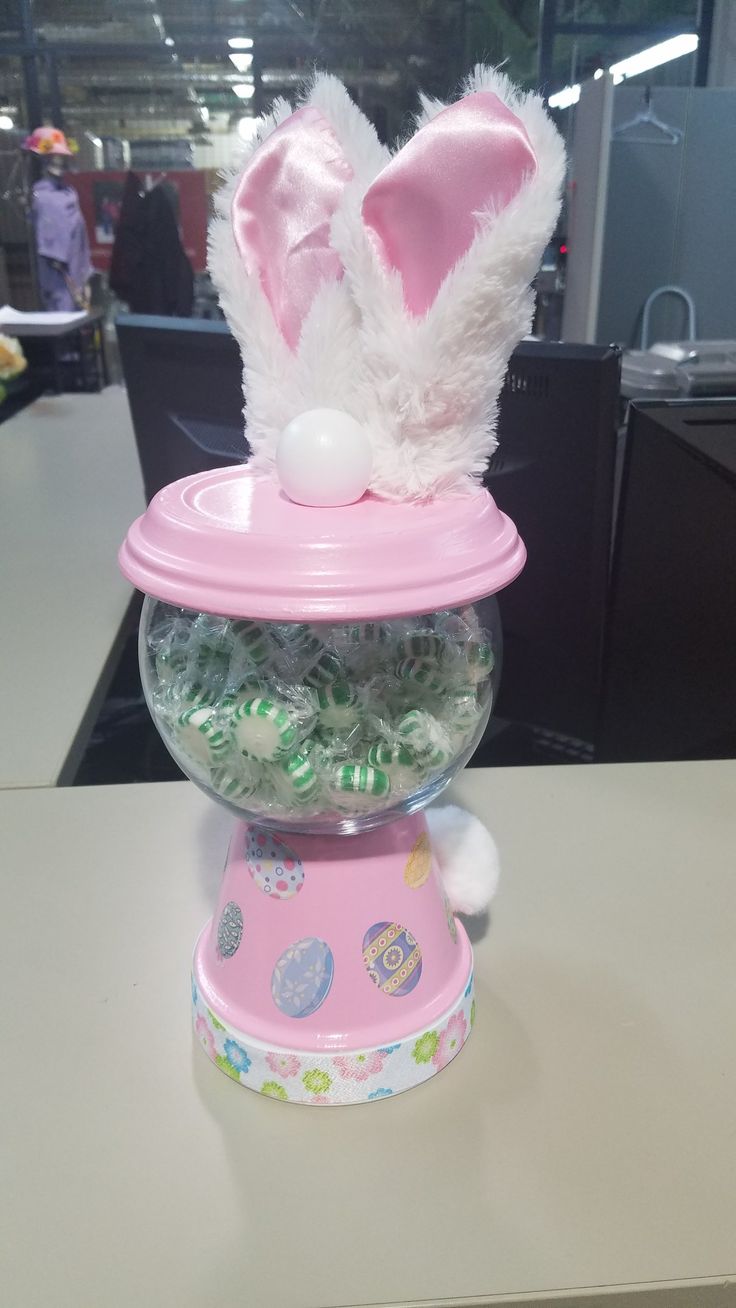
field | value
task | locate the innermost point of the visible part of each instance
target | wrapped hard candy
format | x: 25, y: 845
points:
x: 360, y: 781
x: 289, y: 720
x: 200, y: 735
x: 402, y: 767
x: 337, y: 706
x: 263, y: 729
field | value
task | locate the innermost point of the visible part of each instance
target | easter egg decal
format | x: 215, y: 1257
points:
x: 392, y: 958
x: 229, y: 930
x: 302, y: 977
x: 419, y: 862
x: 275, y: 868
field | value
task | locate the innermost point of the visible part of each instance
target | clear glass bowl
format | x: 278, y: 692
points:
x: 320, y: 727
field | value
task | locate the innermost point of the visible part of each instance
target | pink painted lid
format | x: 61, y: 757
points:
x: 231, y: 542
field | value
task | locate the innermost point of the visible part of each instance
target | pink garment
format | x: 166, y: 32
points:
x: 422, y: 209
x: 282, y: 211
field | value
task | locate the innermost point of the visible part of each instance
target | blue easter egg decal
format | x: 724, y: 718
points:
x: 392, y: 958
x: 302, y: 977
x: 276, y: 869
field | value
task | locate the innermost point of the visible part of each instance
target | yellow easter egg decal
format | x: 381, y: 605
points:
x: 419, y: 862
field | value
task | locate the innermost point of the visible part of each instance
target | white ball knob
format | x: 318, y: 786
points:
x: 324, y: 458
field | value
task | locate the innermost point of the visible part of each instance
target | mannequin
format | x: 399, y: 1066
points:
x: 61, y: 236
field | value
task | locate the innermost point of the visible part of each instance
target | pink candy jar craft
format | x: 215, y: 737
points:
x: 319, y: 642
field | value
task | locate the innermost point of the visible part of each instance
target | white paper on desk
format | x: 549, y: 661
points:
x: 11, y: 317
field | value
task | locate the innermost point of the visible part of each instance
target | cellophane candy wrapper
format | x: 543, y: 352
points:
x: 320, y: 726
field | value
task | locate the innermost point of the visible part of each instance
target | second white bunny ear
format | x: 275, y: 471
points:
x: 439, y: 258
x: 422, y: 210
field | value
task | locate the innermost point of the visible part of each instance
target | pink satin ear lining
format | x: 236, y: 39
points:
x: 282, y: 211
x: 473, y: 157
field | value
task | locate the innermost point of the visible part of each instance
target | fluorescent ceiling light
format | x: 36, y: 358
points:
x: 241, y: 42
x: 243, y: 62
x: 6, y: 123
x: 243, y: 90
x: 204, y: 113
x: 564, y: 98
x: 675, y: 48
x: 169, y: 40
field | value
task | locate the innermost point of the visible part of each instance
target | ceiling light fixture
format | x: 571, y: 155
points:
x: 6, y: 123
x: 564, y: 98
x: 243, y: 62
x: 241, y: 42
x: 243, y: 90
x: 674, y: 48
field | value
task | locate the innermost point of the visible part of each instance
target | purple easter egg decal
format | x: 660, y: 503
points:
x: 392, y: 958
x: 302, y: 977
x: 275, y: 868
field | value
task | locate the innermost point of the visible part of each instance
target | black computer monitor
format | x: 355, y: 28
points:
x: 670, y: 667
x: 553, y: 473
x: 183, y: 378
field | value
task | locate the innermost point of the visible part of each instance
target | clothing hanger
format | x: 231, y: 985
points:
x: 647, y: 118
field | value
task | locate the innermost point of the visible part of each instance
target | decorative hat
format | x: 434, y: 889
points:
x: 47, y: 140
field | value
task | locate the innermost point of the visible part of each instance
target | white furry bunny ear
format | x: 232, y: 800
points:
x: 440, y: 257
x: 278, y: 276
x: 282, y: 208
x: 422, y: 210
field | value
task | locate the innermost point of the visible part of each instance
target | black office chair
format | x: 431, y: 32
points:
x: 183, y: 378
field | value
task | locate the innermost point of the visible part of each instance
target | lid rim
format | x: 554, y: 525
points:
x: 226, y: 543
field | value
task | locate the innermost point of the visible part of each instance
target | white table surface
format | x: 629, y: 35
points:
x: 70, y: 485
x: 50, y: 327
x: 583, y: 1140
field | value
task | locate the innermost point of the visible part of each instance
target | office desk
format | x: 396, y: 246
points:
x: 70, y: 485
x: 63, y: 336
x: 581, y: 1149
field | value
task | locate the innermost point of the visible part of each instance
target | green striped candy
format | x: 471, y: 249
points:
x: 424, y: 737
x: 414, y: 727
x: 336, y: 705
x: 324, y: 671
x: 382, y: 755
x: 461, y: 707
x: 170, y: 665
x: 262, y: 729
x: 367, y: 633
x: 404, y: 770
x: 480, y: 658
x: 232, y: 786
x: 212, y: 659
x: 254, y: 640
x: 435, y: 757
x: 301, y: 777
x: 196, y: 693
x: 358, y: 779
x: 421, y: 645
x: 422, y: 672
x: 199, y: 735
